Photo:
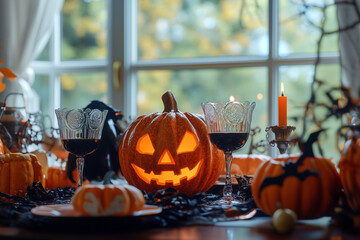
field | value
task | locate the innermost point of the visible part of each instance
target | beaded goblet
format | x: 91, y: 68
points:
x: 80, y: 132
x: 228, y: 125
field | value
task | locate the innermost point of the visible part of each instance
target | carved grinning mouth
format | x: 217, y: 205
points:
x: 168, y: 177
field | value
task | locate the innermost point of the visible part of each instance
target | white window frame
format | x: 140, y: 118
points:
x: 272, y: 61
x: 122, y: 48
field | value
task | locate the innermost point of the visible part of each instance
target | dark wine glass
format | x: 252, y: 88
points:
x: 228, y: 125
x: 80, y: 132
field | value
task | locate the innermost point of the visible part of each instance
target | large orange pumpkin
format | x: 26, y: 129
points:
x: 17, y: 171
x: 310, y: 189
x: 107, y: 200
x: 170, y: 149
x: 350, y: 173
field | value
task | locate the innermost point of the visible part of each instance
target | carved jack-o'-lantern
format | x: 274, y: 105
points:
x: 169, y: 149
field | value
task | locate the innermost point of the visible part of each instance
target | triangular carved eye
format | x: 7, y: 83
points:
x: 188, y: 144
x: 144, y: 145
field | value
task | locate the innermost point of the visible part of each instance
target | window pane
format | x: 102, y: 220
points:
x: 298, y: 35
x: 185, y: 29
x: 42, y: 88
x: 192, y: 87
x: 78, y: 90
x: 84, y: 30
x: 297, y: 80
x: 45, y: 53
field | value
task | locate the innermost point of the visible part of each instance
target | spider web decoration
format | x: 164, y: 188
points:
x: 337, y: 106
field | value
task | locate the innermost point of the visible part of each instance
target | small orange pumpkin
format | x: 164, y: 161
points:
x: 349, y: 166
x: 247, y: 164
x: 108, y: 200
x: 170, y: 149
x: 17, y: 171
x: 57, y: 177
x: 310, y: 186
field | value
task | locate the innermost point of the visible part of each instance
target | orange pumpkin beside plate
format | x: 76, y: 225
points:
x: 17, y: 171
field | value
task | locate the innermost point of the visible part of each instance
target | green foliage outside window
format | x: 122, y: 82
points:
x: 84, y: 30
x: 196, y: 29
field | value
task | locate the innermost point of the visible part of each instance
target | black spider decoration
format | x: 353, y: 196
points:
x: 291, y: 168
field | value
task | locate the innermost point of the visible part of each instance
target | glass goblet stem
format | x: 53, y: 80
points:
x: 227, y: 192
x: 80, y: 170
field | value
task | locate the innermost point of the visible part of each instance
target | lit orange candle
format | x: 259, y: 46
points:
x: 282, y: 101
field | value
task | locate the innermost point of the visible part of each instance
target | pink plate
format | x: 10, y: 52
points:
x: 67, y: 210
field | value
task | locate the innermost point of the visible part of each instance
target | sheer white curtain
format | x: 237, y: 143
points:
x: 350, y: 45
x: 25, y: 27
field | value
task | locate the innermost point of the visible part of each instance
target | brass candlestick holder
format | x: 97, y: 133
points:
x: 282, y: 135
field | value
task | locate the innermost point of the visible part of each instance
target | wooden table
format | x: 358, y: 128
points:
x: 258, y: 228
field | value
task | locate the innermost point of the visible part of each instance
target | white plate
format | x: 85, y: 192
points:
x: 67, y: 210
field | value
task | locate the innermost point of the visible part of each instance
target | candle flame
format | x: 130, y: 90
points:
x: 282, y: 89
x: 232, y: 98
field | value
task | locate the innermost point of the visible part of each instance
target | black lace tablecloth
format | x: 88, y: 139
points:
x: 177, y: 210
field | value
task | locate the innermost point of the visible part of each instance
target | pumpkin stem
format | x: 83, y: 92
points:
x: 170, y: 104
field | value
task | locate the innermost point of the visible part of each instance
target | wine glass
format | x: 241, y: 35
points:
x: 228, y: 125
x: 80, y: 133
